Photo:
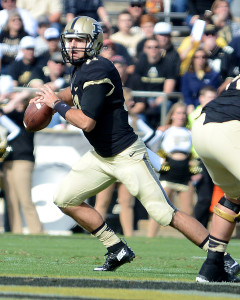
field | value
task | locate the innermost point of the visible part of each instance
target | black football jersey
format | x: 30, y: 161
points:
x: 112, y: 133
x: 153, y: 76
x: 226, y: 106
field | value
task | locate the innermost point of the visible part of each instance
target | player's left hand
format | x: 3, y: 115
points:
x: 47, y: 95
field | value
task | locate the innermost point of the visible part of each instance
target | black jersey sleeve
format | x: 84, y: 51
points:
x: 226, y: 107
x: 96, y: 70
x: 96, y: 87
x: 93, y: 100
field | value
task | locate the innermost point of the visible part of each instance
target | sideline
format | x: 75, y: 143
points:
x: 227, y: 288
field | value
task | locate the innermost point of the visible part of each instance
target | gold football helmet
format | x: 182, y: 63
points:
x: 82, y: 27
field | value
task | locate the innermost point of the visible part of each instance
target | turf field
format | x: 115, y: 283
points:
x: 61, y: 267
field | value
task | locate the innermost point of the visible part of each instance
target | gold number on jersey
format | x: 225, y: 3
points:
x: 76, y: 101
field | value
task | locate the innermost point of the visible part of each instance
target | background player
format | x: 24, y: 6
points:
x: 216, y: 138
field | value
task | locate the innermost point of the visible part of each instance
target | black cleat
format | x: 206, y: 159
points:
x: 213, y: 271
x: 116, y: 259
x: 230, y: 265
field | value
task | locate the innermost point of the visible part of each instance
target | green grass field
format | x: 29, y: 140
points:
x: 74, y: 257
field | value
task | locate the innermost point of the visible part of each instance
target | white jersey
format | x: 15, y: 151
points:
x: 146, y: 133
x: 171, y: 140
x: 11, y: 127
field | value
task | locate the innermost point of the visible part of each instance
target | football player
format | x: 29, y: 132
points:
x: 117, y: 154
x: 216, y: 136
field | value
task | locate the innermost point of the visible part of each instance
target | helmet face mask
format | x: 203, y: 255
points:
x: 82, y: 28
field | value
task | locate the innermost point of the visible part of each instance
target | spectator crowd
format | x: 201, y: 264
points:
x: 143, y: 47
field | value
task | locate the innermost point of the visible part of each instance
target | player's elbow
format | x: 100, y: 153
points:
x: 89, y: 125
x: 77, y: 118
x: 88, y: 128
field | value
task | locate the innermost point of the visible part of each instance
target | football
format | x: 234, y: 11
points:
x: 37, y: 116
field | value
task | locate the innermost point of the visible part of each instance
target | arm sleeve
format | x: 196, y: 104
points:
x: 93, y: 99
x: 12, y: 128
x: 144, y: 129
x: 155, y: 143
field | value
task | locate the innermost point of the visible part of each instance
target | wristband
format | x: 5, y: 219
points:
x: 61, y: 107
x: 55, y: 102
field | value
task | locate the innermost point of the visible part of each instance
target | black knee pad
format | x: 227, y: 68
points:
x: 230, y: 205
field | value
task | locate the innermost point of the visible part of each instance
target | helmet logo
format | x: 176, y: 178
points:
x: 97, y: 28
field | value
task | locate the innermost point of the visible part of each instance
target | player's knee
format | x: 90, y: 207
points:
x: 64, y: 198
x: 60, y: 200
x: 161, y: 212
